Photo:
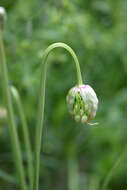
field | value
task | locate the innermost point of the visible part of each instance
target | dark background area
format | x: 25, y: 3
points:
x: 97, y: 31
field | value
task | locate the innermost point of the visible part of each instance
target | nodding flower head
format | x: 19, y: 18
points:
x: 82, y: 103
x: 2, y: 18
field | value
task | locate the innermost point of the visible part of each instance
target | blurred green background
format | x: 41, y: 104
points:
x: 72, y: 154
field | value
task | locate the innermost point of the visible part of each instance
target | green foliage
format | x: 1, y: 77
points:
x: 96, y: 30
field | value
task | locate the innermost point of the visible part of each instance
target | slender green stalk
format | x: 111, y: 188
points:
x: 11, y: 120
x: 73, y: 173
x: 94, y: 183
x: 73, y: 177
x: 40, y: 118
x: 25, y: 131
x: 113, y: 169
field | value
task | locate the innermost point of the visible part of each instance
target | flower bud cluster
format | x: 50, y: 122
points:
x: 82, y: 103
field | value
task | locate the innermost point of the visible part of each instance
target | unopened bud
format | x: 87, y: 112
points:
x: 82, y: 103
x: 2, y: 18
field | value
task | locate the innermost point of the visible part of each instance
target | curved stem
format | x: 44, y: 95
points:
x: 25, y: 131
x: 40, y: 117
x: 70, y: 50
x: 11, y: 120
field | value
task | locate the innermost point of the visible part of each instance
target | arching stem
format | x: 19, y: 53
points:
x: 25, y: 132
x: 40, y: 117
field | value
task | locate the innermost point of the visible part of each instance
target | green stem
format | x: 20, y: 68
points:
x: 40, y: 118
x: 113, y: 169
x: 25, y: 131
x: 11, y: 120
x: 73, y: 173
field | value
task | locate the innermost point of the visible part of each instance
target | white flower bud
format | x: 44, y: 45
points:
x: 2, y: 18
x: 84, y: 105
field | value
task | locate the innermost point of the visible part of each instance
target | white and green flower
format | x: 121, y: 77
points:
x: 82, y: 103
